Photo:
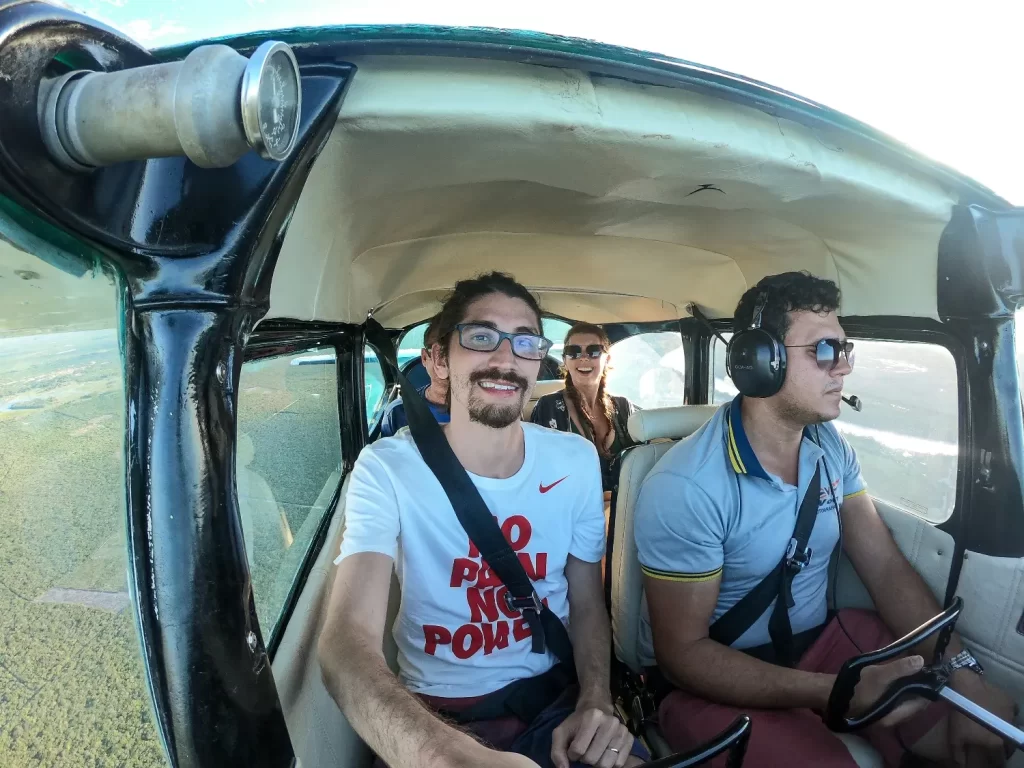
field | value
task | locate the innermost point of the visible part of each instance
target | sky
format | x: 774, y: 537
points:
x: 942, y: 77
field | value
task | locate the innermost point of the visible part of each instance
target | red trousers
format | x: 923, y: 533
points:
x: 798, y: 737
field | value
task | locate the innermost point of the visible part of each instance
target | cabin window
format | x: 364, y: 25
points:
x: 649, y: 369
x: 72, y: 685
x: 720, y: 388
x: 410, y: 344
x: 373, y: 384
x: 288, y: 466
x: 907, y: 435
x: 555, y: 330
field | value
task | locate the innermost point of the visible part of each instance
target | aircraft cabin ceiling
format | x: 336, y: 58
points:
x: 612, y: 200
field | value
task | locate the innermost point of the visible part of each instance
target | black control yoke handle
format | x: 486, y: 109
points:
x: 732, y: 740
x: 927, y: 682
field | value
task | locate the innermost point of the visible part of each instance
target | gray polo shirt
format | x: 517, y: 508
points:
x: 709, y: 510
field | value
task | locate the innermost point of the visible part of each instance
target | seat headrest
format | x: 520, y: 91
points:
x: 673, y: 423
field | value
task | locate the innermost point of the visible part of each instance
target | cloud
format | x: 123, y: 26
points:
x: 144, y: 30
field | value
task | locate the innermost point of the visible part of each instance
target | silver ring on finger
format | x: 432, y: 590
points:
x: 613, y: 749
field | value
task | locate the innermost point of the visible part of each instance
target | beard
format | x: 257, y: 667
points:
x: 800, y: 413
x: 494, y: 415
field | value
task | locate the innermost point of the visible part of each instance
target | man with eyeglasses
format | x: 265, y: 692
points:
x: 718, y: 519
x: 465, y: 655
x: 435, y: 391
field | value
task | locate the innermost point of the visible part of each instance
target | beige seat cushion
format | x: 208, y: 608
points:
x: 664, y: 426
x: 669, y: 423
x: 540, y: 389
x: 320, y: 733
x: 626, y: 578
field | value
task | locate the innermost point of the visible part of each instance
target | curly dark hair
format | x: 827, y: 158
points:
x: 784, y: 293
x: 465, y: 292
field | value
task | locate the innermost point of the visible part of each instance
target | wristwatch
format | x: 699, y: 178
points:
x: 965, y: 660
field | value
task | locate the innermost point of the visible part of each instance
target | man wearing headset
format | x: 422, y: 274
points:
x: 719, y: 519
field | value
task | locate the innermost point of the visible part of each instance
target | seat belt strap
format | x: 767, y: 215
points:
x: 547, y: 630
x: 798, y: 555
x: 776, y: 586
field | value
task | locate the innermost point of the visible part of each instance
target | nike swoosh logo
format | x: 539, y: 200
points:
x: 546, y: 488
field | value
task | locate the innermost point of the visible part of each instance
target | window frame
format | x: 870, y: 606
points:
x: 1018, y: 345
x: 389, y: 393
x: 712, y: 341
x: 274, y: 338
x: 400, y: 336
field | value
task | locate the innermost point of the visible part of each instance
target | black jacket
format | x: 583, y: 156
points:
x: 551, y: 411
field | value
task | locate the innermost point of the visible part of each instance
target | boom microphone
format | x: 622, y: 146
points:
x: 854, y: 402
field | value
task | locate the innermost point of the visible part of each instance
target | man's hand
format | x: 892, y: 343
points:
x: 591, y: 735
x: 966, y: 736
x: 873, y: 682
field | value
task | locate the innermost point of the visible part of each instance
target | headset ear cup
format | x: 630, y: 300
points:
x: 756, y: 362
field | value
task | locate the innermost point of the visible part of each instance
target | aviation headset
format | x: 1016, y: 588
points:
x: 756, y: 357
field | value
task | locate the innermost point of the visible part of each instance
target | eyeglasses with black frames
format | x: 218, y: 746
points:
x: 484, y: 338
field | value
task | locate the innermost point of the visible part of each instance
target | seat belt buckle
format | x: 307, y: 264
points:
x: 529, y: 603
x: 797, y: 561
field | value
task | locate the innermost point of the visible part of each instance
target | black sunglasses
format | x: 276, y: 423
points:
x: 827, y: 352
x: 484, y: 338
x: 575, y: 351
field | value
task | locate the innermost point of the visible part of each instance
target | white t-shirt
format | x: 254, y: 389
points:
x: 455, y: 635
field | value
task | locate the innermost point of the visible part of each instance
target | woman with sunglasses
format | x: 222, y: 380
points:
x: 584, y: 406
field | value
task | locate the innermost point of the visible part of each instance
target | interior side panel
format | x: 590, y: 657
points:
x: 992, y: 589
x: 320, y: 733
x: 993, y: 593
x: 927, y: 548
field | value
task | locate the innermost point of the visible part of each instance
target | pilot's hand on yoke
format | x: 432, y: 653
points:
x: 874, y: 681
x: 591, y: 735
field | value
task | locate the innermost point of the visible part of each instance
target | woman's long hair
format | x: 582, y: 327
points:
x: 604, y: 400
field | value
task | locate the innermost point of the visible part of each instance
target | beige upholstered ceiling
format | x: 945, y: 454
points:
x: 589, y: 190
